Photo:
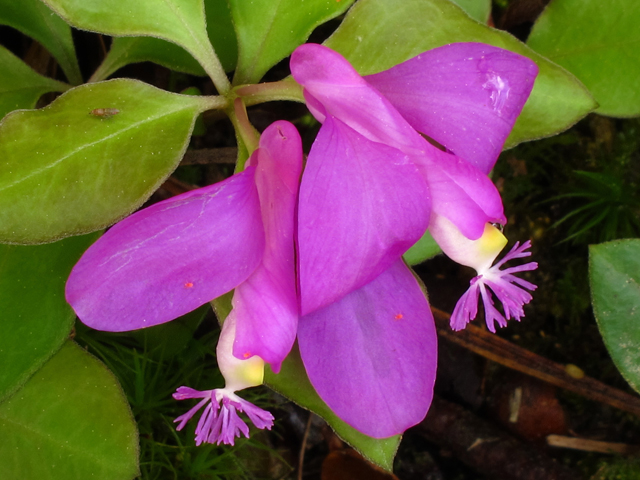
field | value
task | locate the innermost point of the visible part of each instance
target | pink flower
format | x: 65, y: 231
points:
x: 219, y: 422
x: 170, y: 258
x: 480, y: 254
x: 372, y: 185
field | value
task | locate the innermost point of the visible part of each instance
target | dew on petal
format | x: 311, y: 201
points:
x: 499, y: 89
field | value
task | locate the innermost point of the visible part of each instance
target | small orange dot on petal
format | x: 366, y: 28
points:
x: 398, y: 316
x: 188, y: 285
x: 246, y: 354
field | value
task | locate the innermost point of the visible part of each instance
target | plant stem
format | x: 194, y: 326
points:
x: 287, y: 89
x: 213, y: 102
x: 211, y: 64
x: 247, y: 136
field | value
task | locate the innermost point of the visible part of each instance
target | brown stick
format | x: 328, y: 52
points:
x: 205, y: 156
x: 485, y: 448
x: 587, y: 445
x: 517, y: 358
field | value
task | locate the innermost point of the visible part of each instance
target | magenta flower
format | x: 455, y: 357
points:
x: 504, y: 285
x: 480, y: 254
x: 465, y: 96
x: 176, y: 255
x: 219, y: 422
x: 372, y: 186
x: 372, y: 354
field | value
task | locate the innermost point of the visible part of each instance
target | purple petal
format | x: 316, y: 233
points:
x: 260, y: 418
x: 220, y: 422
x: 371, y: 356
x: 227, y: 426
x: 465, y: 96
x: 333, y: 87
x: 508, y: 289
x: 170, y: 258
x: 460, y: 192
x: 362, y: 205
x: 266, y: 304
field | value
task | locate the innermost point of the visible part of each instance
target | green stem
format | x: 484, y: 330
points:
x: 213, y: 102
x: 247, y: 136
x: 286, y: 89
x: 211, y: 64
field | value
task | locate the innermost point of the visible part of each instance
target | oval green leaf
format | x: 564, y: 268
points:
x: 36, y: 319
x: 33, y: 18
x: 179, y: 21
x: 269, y: 30
x: 127, y: 50
x: 221, y: 32
x: 293, y: 383
x: 378, y: 34
x: 479, y: 10
x: 422, y: 250
x: 614, y: 276
x: 76, y: 165
x: 70, y: 421
x: 20, y: 86
x: 597, y: 42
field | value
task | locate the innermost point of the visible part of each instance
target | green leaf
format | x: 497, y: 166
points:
x: 378, y: 34
x: 65, y: 171
x: 70, y: 421
x: 422, y: 250
x: 179, y: 21
x: 36, y: 318
x: 221, y: 32
x: 20, y: 86
x: 479, y: 10
x: 127, y: 50
x: 293, y: 383
x: 33, y: 18
x: 614, y: 275
x: 269, y: 30
x: 597, y: 42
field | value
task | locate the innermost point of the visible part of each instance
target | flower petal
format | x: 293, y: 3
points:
x: 460, y: 192
x: 371, y: 356
x: 333, y: 87
x: 170, y: 258
x: 266, y: 304
x: 478, y: 254
x: 508, y: 289
x: 362, y: 205
x: 238, y: 373
x: 465, y: 96
x: 220, y: 422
